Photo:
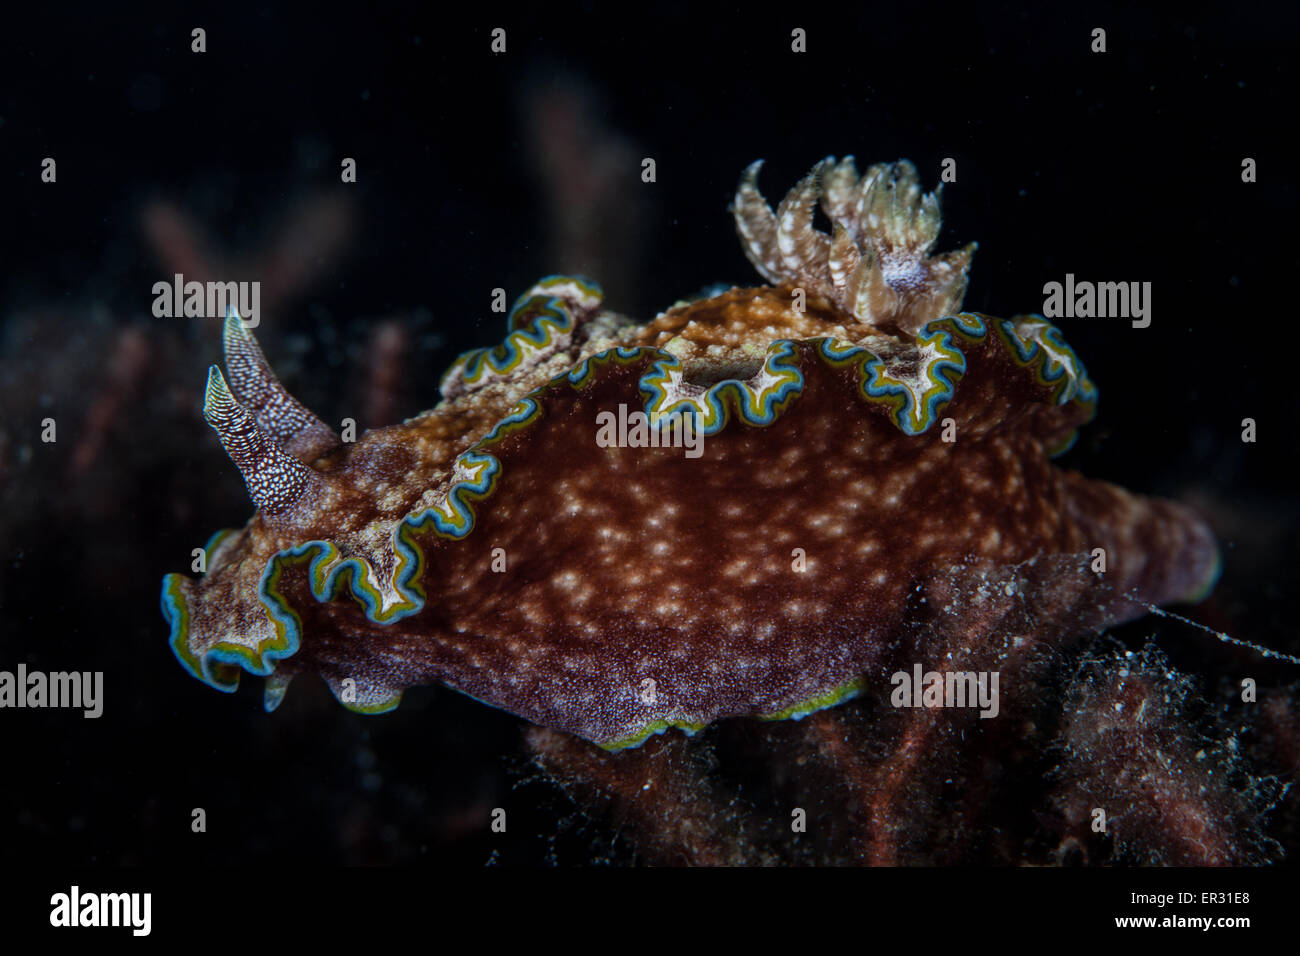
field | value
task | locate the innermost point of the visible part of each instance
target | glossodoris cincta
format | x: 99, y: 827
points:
x: 612, y: 528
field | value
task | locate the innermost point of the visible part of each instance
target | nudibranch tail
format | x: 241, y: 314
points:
x: 1160, y: 550
x: 875, y: 264
x: 284, y: 419
x: 276, y: 480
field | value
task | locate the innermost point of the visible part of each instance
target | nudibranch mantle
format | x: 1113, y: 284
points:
x: 865, y: 445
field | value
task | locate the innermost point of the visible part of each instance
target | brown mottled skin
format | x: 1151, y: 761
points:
x: 628, y: 564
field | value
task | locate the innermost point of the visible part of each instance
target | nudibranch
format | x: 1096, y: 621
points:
x: 861, y: 437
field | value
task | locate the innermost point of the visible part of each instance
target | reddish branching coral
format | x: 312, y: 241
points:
x: 1138, y: 783
x: 880, y: 785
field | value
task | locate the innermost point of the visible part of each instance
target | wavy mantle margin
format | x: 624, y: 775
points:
x: 540, y: 322
x: 914, y: 399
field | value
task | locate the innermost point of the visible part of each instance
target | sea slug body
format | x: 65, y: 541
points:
x: 864, y: 443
